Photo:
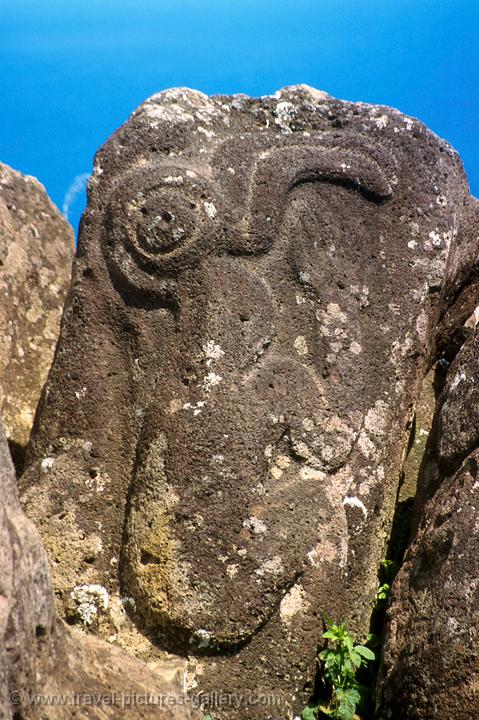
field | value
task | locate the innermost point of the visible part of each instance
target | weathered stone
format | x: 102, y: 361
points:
x: 260, y: 288
x: 27, y: 616
x: 421, y: 426
x: 36, y: 252
x: 47, y: 672
x: 431, y: 659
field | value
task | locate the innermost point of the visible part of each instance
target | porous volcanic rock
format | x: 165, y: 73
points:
x: 260, y: 287
x: 27, y: 614
x: 421, y: 426
x: 430, y: 667
x: 36, y: 252
x: 48, y: 672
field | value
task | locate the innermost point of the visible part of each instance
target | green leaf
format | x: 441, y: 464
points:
x: 329, y: 635
x: 383, y: 592
x: 348, y: 641
x: 323, y: 710
x: 365, y: 652
x: 348, y: 699
x: 342, y: 630
x: 390, y: 565
x: 310, y: 713
x: 355, y: 659
x: 328, y: 656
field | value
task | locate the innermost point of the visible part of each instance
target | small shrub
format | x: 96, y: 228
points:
x: 340, y: 662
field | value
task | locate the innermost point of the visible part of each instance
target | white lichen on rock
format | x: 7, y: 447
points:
x: 285, y: 113
x: 212, y: 352
x: 300, y: 345
x: 210, y: 210
x: 47, y: 464
x: 355, y: 502
x: 273, y: 566
x: 201, y: 638
x: 89, y: 601
x: 293, y: 603
x: 210, y: 380
x: 196, y: 408
x: 256, y: 525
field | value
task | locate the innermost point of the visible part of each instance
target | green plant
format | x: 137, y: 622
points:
x: 387, y: 572
x: 340, y: 662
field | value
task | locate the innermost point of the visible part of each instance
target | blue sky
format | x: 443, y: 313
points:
x: 72, y: 71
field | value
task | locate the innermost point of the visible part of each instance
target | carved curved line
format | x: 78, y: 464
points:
x: 356, y: 169
x: 353, y: 161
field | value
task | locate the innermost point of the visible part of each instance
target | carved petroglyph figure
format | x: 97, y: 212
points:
x: 254, y: 305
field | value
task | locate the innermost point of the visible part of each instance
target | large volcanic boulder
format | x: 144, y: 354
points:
x: 430, y: 667
x: 36, y: 252
x: 259, y: 290
x: 27, y: 616
x: 45, y: 671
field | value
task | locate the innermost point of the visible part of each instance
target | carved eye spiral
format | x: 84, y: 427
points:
x: 155, y: 225
x: 165, y: 220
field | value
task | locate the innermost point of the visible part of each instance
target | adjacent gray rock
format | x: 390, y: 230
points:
x: 260, y: 288
x: 36, y: 252
x: 431, y: 660
x: 48, y: 673
x: 27, y: 617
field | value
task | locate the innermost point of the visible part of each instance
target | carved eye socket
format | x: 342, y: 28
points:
x: 157, y: 222
x: 165, y: 220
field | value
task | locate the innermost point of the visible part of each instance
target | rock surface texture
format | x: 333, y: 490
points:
x: 26, y: 599
x: 36, y: 252
x: 45, y: 671
x: 431, y: 657
x: 260, y: 288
